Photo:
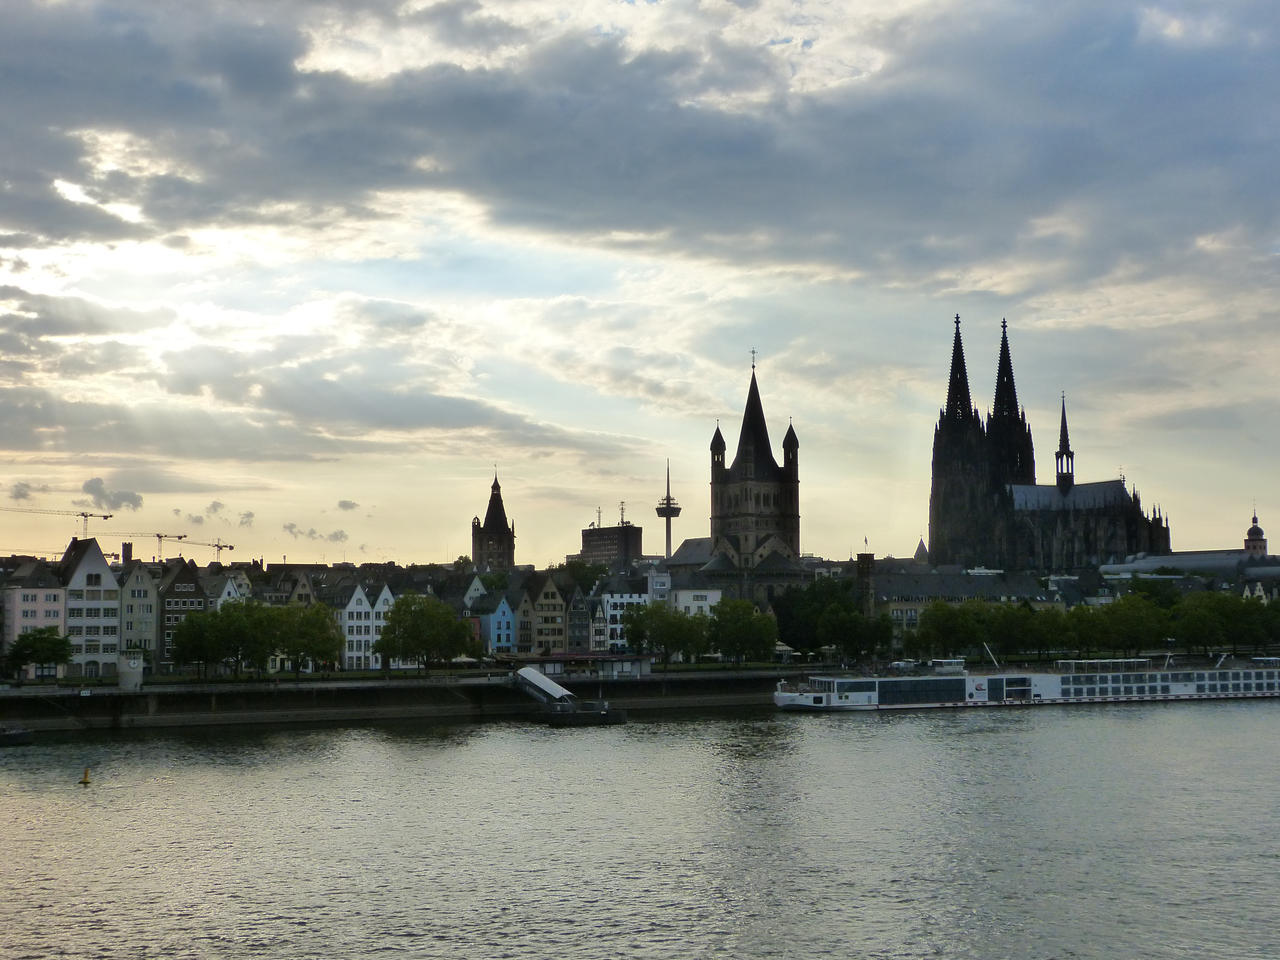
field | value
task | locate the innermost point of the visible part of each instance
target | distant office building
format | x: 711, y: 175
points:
x: 614, y: 547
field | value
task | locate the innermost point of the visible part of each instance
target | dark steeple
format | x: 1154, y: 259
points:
x: 1006, y: 404
x: 495, y: 518
x: 959, y: 404
x: 1012, y: 454
x: 754, y: 459
x: 493, y: 543
x: 1064, y: 459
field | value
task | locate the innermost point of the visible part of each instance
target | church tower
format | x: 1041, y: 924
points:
x: 1012, y: 454
x: 959, y: 506
x: 493, y: 543
x: 755, y: 504
x: 1064, y: 459
x: 1255, y: 541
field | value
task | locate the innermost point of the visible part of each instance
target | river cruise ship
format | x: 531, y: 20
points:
x: 1073, y: 681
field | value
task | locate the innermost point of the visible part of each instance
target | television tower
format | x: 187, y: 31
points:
x: 668, y: 508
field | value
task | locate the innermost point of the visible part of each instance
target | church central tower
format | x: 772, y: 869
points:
x: 755, y: 503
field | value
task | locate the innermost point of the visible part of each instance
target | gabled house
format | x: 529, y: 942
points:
x: 179, y: 595
x: 34, y: 596
x: 497, y: 625
x: 139, y: 600
x: 93, y: 609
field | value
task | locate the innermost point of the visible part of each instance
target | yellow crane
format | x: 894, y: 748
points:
x: 82, y: 514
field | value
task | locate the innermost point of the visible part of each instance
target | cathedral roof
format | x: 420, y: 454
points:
x: 1082, y: 496
x: 755, y: 454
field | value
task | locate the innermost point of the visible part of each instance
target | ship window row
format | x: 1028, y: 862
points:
x: 1209, y: 676
x: 1142, y: 690
x: 1125, y: 690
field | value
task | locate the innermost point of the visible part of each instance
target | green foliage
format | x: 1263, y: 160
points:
x: 664, y: 631
x: 585, y: 575
x: 739, y: 632
x: 800, y: 612
x: 310, y: 634
x: 44, y: 645
x: 420, y: 628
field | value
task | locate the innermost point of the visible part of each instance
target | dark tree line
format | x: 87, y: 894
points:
x: 244, y: 636
x: 1200, y: 623
x: 829, y: 613
x: 735, y: 630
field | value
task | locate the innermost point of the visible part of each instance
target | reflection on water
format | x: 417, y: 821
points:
x: 1143, y: 830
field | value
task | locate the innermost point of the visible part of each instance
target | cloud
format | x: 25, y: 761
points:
x: 22, y: 490
x: 246, y: 518
x: 214, y: 508
x: 337, y: 536
x: 105, y: 499
x: 347, y: 505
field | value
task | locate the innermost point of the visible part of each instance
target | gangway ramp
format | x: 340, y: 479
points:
x: 541, y: 687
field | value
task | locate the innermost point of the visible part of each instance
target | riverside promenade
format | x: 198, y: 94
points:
x: 480, y: 697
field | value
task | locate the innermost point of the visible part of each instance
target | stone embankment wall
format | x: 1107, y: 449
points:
x: 191, y: 705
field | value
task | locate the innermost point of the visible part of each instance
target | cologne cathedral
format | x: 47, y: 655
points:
x: 986, y: 509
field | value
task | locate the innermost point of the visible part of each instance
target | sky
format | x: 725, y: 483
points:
x: 299, y: 276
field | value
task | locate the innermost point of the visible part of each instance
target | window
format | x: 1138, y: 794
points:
x: 51, y: 614
x: 50, y: 598
x: 93, y: 613
x: 93, y: 579
x: 111, y: 611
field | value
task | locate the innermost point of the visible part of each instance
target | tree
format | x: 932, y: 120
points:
x: 738, y: 631
x: 198, y: 640
x: 584, y: 575
x: 422, y: 628
x: 664, y: 631
x: 43, y: 645
x: 309, y: 633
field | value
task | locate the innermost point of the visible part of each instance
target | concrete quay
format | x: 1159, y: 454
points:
x: 447, y: 699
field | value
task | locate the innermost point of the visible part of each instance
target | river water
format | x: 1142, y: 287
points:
x: 1101, y: 832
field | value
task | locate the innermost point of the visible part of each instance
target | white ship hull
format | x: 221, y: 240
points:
x: 826, y: 694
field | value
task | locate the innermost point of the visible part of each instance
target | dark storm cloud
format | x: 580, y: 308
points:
x: 973, y: 129
x: 460, y: 23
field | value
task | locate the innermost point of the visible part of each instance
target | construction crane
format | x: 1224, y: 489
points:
x: 83, y: 515
x: 217, y: 545
x: 160, y: 538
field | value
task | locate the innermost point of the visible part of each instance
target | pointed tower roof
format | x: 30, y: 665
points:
x: 717, y: 440
x: 1006, y: 402
x: 922, y: 553
x: 790, y: 441
x: 753, y: 439
x: 495, y: 518
x: 1064, y: 442
x: 959, y: 403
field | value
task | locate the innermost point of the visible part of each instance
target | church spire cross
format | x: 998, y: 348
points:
x: 753, y: 359
x: 959, y: 404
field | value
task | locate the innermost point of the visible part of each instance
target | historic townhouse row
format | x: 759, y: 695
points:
x: 113, y: 611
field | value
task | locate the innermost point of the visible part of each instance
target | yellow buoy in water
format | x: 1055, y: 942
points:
x: 84, y: 781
